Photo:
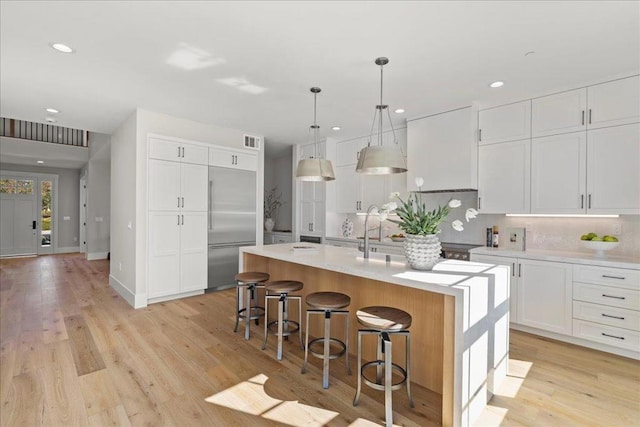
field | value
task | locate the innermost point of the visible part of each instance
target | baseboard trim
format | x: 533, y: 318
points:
x: 97, y: 255
x: 134, y: 300
x: 176, y: 296
x: 68, y: 250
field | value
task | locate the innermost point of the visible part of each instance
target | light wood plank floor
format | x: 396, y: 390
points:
x: 74, y: 353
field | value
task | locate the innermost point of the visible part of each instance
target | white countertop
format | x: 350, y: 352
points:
x: 384, y: 241
x: 445, y: 278
x: 559, y: 256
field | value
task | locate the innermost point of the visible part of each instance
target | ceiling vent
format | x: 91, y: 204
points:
x: 252, y: 142
x: 32, y: 131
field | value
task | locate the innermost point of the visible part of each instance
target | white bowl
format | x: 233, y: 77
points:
x: 600, y: 247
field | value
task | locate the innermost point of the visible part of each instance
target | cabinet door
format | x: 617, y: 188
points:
x: 194, y: 187
x: 318, y: 217
x: 164, y: 150
x: 442, y: 150
x: 505, y: 123
x: 164, y: 185
x: 558, y: 174
x: 246, y: 161
x: 373, y: 191
x: 164, y: 254
x: 232, y: 159
x: 613, y: 170
x: 560, y: 113
x: 307, y: 217
x: 196, y: 154
x: 347, y: 190
x: 614, y: 103
x: 512, y: 263
x: 193, y: 251
x: 544, y: 295
x: 503, y: 177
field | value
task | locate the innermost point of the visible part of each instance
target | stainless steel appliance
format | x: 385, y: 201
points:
x: 232, y: 222
x: 457, y: 250
x: 311, y: 239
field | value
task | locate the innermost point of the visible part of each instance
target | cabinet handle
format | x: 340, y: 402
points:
x: 582, y: 117
x: 589, y: 204
x: 582, y: 201
x: 613, y: 317
x: 183, y: 202
x: 358, y: 155
x: 178, y: 219
x: 182, y: 219
x: 479, y: 134
x: 479, y: 202
x: 519, y: 270
x: 589, y: 115
x: 183, y: 152
x: 513, y: 269
x: 613, y: 277
x: 612, y: 336
x: 178, y: 151
x: 178, y: 201
x: 613, y: 296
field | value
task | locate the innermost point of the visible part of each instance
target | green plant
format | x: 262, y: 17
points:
x: 416, y: 219
x: 272, y: 202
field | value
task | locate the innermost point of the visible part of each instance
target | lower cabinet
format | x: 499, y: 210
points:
x: 273, y: 238
x: 512, y: 263
x: 544, y: 295
x: 177, y: 253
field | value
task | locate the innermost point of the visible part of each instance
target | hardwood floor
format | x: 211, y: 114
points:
x: 74, y: 353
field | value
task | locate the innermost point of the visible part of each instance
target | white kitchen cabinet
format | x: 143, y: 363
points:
x: 233, y: 159
x: 613, y: 170
x: 193, y: 251
x: 512, y: 263
x: 311, y: 218
x: 545, y: 295
x: 614, y: 103
x: 174, y: 186
x: 559, y: 113
x: 558, y: 174
x: 356, y: 192
x: 505, y: 123
x: 442, y: 150
x: 347, y: 152
x: 177, y: 151
x: 504, y: 177
x: 272, y: 238
x: 312, y: 195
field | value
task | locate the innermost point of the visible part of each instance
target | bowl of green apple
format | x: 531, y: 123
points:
x: 599, y: 244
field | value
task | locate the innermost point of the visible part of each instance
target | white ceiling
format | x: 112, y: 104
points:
x: 206, y: 60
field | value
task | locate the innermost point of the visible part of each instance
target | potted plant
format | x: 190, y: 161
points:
x: 421, y: 226
x: 272, y: 203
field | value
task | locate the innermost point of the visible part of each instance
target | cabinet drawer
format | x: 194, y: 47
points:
x: 607, y: 295
x: 618, y: 277
x: 612, y: 316
x: 613, y: 336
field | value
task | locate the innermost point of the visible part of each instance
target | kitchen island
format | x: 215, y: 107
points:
x: 460, y: 310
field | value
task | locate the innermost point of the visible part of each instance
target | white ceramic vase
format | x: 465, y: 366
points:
x: 422, y: 252
x: 268, y: 224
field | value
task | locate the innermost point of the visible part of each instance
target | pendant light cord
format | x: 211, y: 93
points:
x: 381, y: 107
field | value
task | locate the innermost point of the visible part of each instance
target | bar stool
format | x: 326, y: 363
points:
x: 327, y: 303
x: 384, y: 322
x: 280, y: 289
x: 249, y: 281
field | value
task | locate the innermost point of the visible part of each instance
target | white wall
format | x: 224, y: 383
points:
x: 98, y: 196
x: 67, y: 232
x: 129, y: 148
x: 278, y: 173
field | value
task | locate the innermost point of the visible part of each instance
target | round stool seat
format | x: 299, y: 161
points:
x: 384, y: 318
x: 328, y: 300
x: 251, y: 277
x: 283, y: 286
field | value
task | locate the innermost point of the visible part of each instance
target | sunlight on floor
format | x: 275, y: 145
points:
x: 516, y: 374
x: 249, y: 397
x: 491, y: 416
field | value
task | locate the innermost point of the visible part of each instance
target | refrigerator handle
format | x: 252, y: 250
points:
x: 209, y: 201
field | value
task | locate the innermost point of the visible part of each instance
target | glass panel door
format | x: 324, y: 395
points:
x: 46, y: 213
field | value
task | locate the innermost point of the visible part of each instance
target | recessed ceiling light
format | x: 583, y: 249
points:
x: 399, y: 111
x: 61, y: 47
x: 336, y: 128
x: 50, y: 120
x: 40, y: 162
x: 51, y: 110
x: 496, y: 84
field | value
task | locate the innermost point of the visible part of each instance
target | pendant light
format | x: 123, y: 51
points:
x: 379, y: 159
x: 316, y: 168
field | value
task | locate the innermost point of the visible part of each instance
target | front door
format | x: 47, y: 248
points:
x: 18, y: 216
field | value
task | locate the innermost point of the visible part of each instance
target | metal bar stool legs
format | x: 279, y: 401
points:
x: 249, y: 283
x: 284, y: 326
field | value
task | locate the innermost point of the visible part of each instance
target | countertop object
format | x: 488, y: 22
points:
x: 460, y: 311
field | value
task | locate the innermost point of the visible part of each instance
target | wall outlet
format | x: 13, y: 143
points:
x: 120, y: 266
x: 617, y: 229
x: 129, y: 225
x: 75, y: 239
x: 66, y: 218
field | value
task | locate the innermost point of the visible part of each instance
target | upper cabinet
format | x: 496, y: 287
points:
x: 505, y: 123
x: 442, y: 150
x: 560, y: 113
x: 233, y: 159
x: 614, y: 103
x: 164, y: 149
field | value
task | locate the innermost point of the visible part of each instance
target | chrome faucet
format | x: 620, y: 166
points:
x: 366, y: 231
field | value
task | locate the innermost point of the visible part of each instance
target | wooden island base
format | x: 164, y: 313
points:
x: 432, y: 329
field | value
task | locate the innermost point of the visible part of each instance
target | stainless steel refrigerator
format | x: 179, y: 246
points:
x: 232, y: 222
